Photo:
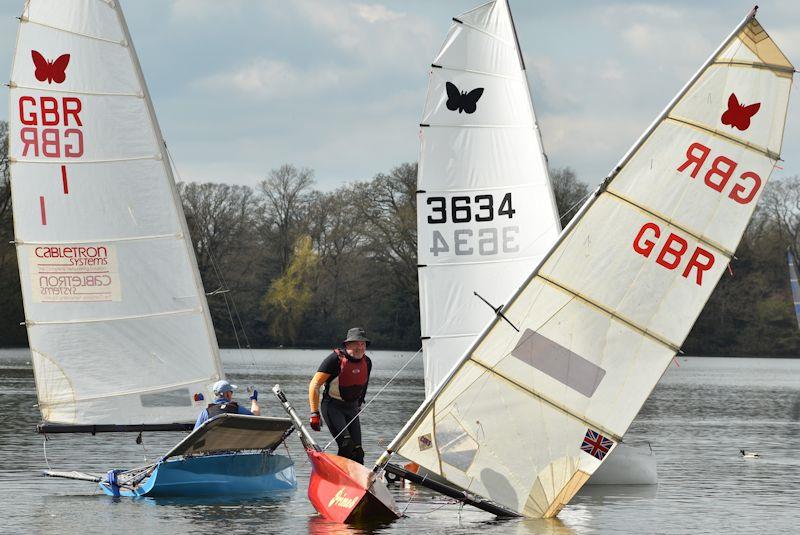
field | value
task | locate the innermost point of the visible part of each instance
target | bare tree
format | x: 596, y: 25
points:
x: 569, y: 192
x: 286, y: 195
x: 781, y: 202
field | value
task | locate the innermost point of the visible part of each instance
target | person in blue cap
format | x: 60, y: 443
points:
x: 224, y: 403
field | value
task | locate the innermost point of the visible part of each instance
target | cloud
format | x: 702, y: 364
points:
x: 270, y: 78
x: 376, y: 13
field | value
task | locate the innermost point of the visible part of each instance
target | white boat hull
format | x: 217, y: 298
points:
x: 627, y: 465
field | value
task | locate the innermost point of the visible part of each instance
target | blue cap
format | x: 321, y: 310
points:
x: 220, y: 387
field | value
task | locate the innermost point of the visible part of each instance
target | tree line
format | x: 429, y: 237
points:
x: 287, y: 264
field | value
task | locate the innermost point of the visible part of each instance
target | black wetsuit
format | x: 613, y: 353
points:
x: 342, y: 398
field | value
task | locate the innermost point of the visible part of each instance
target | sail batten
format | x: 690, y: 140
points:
x: 595, y: 325
x: 117, y: 320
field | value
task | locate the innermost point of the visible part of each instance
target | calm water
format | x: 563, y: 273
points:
x: 697, y: 419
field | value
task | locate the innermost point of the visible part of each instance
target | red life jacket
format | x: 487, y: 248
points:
x: 352, y: 379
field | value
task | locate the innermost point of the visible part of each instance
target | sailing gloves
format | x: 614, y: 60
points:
x: 316, y: 423
x: 254, y: 396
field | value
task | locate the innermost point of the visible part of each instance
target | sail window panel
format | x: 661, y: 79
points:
x: 179, y: 397
x: 710, y: 99
x: 466, y: 48
x: 107, y: 362
x: 493, y: 18
x: 475, y: 158
x: 455, y: 446
x: 453, y: 307
x: 94, y: 66
x: 89, y: 17
x: 634, y: 265
x: 592, y: 365
x: 53, y: 386
x: 112, y: 128
x: 93, y: 202
x: 132, y: 278
x: 504, y: 102
x: 677, y: 176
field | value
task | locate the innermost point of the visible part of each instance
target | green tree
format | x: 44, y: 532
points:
x: 288, y: 297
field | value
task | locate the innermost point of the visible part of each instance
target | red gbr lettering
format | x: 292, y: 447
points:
x: 671, y: 253
x: 51, y: 113
x: 719, y: 173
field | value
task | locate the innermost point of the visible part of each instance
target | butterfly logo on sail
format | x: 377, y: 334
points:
x: 50, y: 71
x: 738, y: 115
x: 462, y: 100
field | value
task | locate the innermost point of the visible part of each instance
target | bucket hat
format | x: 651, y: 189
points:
x: 357, y: 334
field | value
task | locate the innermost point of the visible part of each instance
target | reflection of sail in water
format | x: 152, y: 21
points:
x: 547, y: 391
x: 486, y: 213
x: 117, y: 318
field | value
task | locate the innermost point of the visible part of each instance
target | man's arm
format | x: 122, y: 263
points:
x: 313, y: 389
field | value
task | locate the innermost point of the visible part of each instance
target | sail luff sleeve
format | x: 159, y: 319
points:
x: 602, y: 315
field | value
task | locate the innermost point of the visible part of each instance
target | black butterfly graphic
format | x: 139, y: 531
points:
x: 461, y: 100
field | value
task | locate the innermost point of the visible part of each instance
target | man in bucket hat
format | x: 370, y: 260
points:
x: 345, y: 375
x: 223, y: 392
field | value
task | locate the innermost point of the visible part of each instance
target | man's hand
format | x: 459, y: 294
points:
x: 316, y: 423
x: 254, y: 395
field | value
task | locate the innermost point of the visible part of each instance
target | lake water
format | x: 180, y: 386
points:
x: 700, y: 415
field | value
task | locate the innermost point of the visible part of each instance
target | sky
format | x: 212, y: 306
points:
x: 243, y: 86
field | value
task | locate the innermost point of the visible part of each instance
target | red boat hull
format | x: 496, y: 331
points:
x: 345, y: 491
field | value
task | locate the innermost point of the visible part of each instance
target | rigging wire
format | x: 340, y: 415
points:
x: 223, y: 288
x: 367, y: 404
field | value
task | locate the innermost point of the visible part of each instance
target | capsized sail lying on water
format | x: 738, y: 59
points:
x: 117, y: 320
x: 486, y: 213
x: 539, y: 400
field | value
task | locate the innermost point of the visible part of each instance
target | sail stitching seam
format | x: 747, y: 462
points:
x: 182, y: 311
x: 550, y: 402
x: 86, y: 35
x: 482, y: 73
x: 14, y: 85
x: 485, y: 32
x: 612, y: 314
x: 163, y: 388
x: 499, y: 261
x: 754, y: 65
x: 671, y: 222
x: 755, y: 148
x: 489, y: 188
x: 109, y: 160
x: 104, y: 240
x: 481, y: 125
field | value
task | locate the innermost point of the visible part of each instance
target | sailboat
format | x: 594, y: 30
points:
x: 119, y: 329
x: 486, y: 213
x: 545, y: 393
x: 793, y: 282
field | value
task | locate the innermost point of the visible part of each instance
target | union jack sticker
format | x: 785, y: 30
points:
x: 425, y: 442
x: 596, y: 444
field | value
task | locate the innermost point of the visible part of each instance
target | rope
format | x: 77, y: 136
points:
x: 44, y: 447
x: 367, y: 404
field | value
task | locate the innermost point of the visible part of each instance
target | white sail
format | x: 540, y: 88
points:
x: 531, y: 409
x: 117, y: 320
x: 486, y: 214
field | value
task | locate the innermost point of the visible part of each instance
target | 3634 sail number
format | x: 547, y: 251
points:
x: 480, y: 208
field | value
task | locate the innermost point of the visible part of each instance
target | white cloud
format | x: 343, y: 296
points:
x: 376, y: 13
x: 269, y: 78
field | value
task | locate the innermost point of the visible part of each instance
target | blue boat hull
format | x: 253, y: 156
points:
x: 215, y: 475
